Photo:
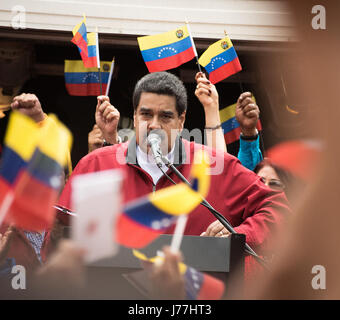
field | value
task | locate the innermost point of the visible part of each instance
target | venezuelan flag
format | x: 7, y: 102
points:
x: 220, y: 60
x: 38, y: 186
x: 80, y: 39
x: 145, y: 219
x: 167, y: 50
x: 230, y: 126
x: 93, y: 51
x: 198, y: 285
x: 20, y: 142
x: 82, y: 81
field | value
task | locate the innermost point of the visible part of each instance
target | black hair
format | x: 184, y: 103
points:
x: 293, y: 183
x: 162, y: 83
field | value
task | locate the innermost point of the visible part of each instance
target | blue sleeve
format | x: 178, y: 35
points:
x: 250, y: 153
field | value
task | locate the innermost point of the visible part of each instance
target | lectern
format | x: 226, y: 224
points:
x: 220, y: 257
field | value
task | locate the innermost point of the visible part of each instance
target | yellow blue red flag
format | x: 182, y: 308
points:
x: 230, y: 126
x: 87, y: 44
x: 38, y: 185
x: 82, y: 81
x: 167, y: 50
x: 220, y: 60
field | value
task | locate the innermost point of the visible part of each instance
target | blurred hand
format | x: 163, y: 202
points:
x: 216, y: 229
x: 65, y: 267
x: 107, y: 118
x: 247, y: 114
x: 166, y: 279
x: 29, y: 105
x: 95, y: 138
x: 5, y: 241
x: 206, y: 92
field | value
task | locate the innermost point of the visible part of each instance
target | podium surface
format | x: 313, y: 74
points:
x: 219, y: 257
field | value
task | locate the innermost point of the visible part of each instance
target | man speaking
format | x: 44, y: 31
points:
x: 160, y: 104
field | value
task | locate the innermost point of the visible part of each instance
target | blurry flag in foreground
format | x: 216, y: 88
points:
x: 220, y: 60
x: 37, y: 187
x: 230, y: 126
x: 167, y: 50
x: 146, y: 218
x: 198, y: 285
x: 20, y: 142
x: 299, y: 157
x: 81, y: 81
x: 96, y: 199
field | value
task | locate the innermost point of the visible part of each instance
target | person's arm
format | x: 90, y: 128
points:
x: 29, y: 105
x: 207, y: 94
x: 247, y: 115
x: 107, y: 118
x: 95, y: 138
x: 256, y: 210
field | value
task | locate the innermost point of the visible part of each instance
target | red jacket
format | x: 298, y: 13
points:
x: 237, y: 193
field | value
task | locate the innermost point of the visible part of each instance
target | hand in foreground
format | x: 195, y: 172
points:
x: 65, y: 267
x: 166, y: 279
x: 5, y: 241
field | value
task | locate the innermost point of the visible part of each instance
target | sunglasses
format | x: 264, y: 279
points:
x: 274, y: 184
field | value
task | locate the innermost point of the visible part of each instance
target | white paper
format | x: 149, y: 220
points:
x: 96, y: 200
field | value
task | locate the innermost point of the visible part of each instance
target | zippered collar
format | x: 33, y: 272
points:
x: 179, y: 152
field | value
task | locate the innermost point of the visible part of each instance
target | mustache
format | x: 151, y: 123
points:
x: 161, y: 133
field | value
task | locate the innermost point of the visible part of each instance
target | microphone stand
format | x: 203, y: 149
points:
x: 217, y: 215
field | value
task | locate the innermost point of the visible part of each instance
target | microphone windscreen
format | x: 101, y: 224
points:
x: 154, y: 138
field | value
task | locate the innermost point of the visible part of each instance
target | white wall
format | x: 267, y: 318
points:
x: 243, y: 20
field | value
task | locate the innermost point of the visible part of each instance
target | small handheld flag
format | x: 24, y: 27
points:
x: 220, y: 60
x: 80, y: 39
x: 37, y: 187
x: 81, y: 81
x: 167, y: 50
x: 230, y: 126
x: 21, y: 139
x: 92, y: 50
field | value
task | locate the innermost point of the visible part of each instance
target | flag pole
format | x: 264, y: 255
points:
x: 193, y: 45
x: 98, y: 62
x: 239, y: 76
x: 110, y: 77
x: 176, y: 238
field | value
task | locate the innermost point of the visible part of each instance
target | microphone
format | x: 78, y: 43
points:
x: 154, y: 140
